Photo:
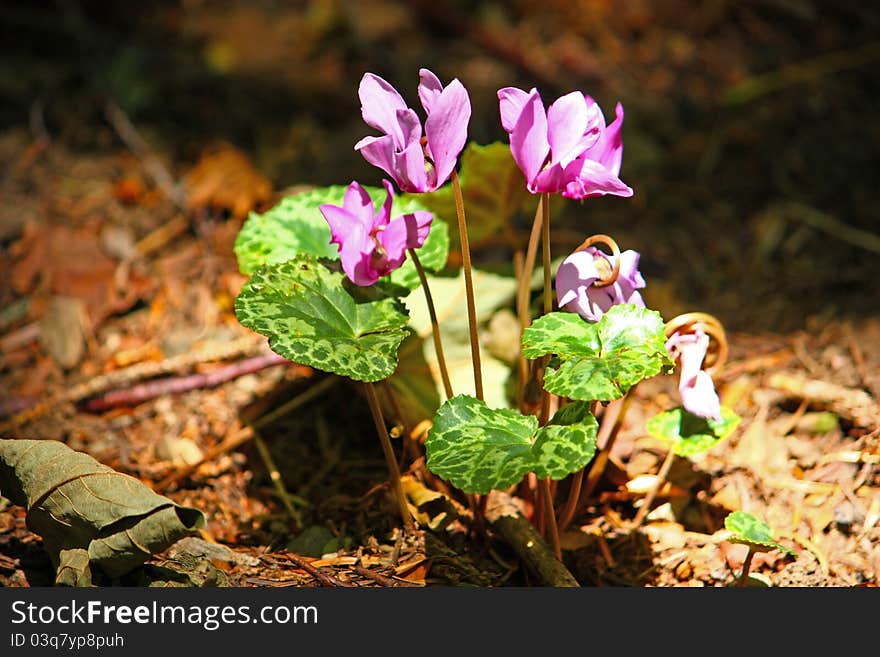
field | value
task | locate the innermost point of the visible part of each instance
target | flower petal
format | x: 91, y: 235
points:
x: 567, y: 120
x: 698, y: 396
x: 574, y: 275
x: 595, y: 180
x: 379, y: 151
x: 406, y: 232
x: 408, y: 169
x: 430, y: 88
x: 380, y: 103
x: 446, y: 129
x: 355, y: 245
x: 383, y: 214
x: 528, y: 141
x: 608, y: 151
x: 510, y: 103
x: 629, y: 278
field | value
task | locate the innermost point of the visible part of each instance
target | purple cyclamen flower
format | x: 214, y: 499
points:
x: 415, y: 164
x: 372, y: 244
x: 695, y: 384
x: 576, y: 293
x: 567, y: 148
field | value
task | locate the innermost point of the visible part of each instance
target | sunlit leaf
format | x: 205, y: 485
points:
x: 749, y: 530
x: 598, y: 361
x: 311, y: 317
x: 478, y: 448
x: 690, y: 434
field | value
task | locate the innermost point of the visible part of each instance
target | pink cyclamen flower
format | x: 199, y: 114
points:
x: 415, y: 164
x: 576, y: 293
x: 567, y: 148
x: 695, y: 384
x: 372, y: 244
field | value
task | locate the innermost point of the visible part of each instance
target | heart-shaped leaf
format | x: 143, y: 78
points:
x: 478, y: 448
x: 598, y: 361
x: 690, y: 434
x: 310, y: 317
x: 749, y: 530
x: 295, y: 226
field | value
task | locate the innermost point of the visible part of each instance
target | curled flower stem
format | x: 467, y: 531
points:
x: 468, y: 284
x: 649, y: 498
x: 435, y: 325
x: 390, y: 461
x: 615, y: 257
x: 710, y: 325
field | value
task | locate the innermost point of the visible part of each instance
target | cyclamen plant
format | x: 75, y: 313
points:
x: 592, y: 348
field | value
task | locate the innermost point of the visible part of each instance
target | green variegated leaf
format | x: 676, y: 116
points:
x: 432, y: 254
x: 749, y: 530
x: 562, y: 334
x: 310, y: 317
x: 295, y: 226
x: 690, y: 434
x: 478, y: 448
x: 567, y: 443
x: 598, y: 361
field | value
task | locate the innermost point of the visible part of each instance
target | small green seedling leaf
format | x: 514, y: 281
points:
x: 598, y: 361
x: 310, y: 317
x: 749, y: 530
x: 689, y: 434
x: 295, y: 226
x: 478, y: 448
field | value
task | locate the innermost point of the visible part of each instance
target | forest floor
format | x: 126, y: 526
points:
x: 118, y: 270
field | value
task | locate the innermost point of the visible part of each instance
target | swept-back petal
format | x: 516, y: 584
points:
x: 408, y: 169
x: 594, y: 179
x: 573, y: 276
x: 698, y: 396
x: 528, y: 141
x: 378, y: 151
x: 446, y: 129
x: 406, y: 232
x: 629, y: 279
x: 567, y: 123
x: 351, y: 234
x: 380, y: 103
x: 383, y: 213
x: 430, y: 88
x: 608, y: 151
x: 510, y: 103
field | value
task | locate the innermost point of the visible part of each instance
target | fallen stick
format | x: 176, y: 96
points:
x: 518, y: 532
x: 178, y: 384
x: 246, y: 346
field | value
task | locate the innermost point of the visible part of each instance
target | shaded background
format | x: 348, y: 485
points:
x: 749, y: 133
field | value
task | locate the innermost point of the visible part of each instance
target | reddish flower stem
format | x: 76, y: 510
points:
x: 435, y: 325
x: 390, y: 461
x: 468, y: 284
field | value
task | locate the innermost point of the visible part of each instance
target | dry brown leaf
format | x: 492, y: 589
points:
x: 225, y: 179
x: 57, y: 259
